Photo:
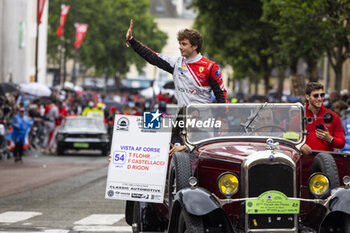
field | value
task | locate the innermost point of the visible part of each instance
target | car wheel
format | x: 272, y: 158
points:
x: 104, y: 152
x: 325, y: 163
x: 189, y: 223
x: 347, y: 224
x: 59, y: 151
x: 336, y: 222
x: 179, y: 172
x: 136, y: 221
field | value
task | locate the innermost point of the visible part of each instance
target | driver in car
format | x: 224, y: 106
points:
x: 265, y: 124
x: 264, y: 121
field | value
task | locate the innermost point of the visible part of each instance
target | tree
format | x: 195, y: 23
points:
x: 103, y: 48
x: 308, y: 29
x: 255, y: 36
x: 234, y: 35
x: 295, y: 35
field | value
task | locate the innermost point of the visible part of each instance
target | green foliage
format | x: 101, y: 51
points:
x: 104, y: 47
x: 255, y: 35
x: 308, y: 29
x: 234, y: 35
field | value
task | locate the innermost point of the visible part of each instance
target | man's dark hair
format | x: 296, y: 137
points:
x: 193, y: 36
x: 313, y: 86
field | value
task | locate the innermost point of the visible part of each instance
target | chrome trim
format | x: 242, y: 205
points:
x: 219, y: 160
x: 273, y: 230
x: 85, y: 140
x: 324, y: 202
x: 223, y: 202
x: 297, y: 144
x: 262, y: 157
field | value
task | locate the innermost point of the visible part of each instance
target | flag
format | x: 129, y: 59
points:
x: 80, y: 32
x: 41, y: 4
x: 64, y: 13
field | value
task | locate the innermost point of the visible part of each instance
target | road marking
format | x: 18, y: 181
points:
x: 45, y: 231
x: 56, y: 231
x: 124, y: 229
x: 100, y: 219
x: 17, y: 216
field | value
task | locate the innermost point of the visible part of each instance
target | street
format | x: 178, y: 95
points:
x: 50, y: 193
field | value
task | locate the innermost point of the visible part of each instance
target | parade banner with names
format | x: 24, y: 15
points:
x: 139, y: 159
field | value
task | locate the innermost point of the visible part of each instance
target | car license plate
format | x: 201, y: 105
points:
x: 81, y: 145
x: 272, y: 202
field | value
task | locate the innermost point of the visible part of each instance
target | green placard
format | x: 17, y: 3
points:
x: 291, y: 135
x: 81, y: 145
x: 272, y: 202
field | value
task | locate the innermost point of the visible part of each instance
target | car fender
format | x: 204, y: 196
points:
x: 197, y: 201
x: 340, y: 200
x: 339, y: 209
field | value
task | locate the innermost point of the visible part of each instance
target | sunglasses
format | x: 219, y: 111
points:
x: 318, y: 95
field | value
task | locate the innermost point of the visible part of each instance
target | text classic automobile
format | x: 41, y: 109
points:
x: 247, y: 174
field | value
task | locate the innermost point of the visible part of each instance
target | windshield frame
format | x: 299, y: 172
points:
x: 258, y: 107
x: 99, y: 123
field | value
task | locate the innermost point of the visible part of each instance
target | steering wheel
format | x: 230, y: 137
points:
x: 258, y: 129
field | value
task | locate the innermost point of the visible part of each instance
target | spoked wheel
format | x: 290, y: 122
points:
x: 179, y: 172
x: 189, y: 223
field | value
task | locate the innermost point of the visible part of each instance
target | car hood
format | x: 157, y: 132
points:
x: 238, y: 151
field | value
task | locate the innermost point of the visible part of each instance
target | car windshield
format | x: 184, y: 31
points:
x: 208, y: 121
x: 83, y: 123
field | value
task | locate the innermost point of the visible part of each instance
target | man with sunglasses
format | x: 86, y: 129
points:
x: 322, y: 136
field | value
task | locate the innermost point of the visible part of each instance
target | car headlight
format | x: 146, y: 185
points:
x: 60, y: 137
x: 318, y: 184
x: 228, y: 184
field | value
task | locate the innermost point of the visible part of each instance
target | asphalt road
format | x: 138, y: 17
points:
x: 58, y: 194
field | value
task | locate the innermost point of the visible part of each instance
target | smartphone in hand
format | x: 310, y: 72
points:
x: 320, y: 127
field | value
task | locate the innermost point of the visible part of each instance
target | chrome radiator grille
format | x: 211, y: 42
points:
x: 266, y: 177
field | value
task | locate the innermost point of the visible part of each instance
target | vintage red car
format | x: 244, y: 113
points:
x: 245, y: 172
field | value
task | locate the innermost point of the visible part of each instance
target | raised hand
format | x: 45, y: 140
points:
x: 129, y: 32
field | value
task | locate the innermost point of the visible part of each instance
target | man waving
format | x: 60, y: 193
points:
x: 194, y: 75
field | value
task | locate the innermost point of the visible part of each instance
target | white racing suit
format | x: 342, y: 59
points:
x: 194, y: 78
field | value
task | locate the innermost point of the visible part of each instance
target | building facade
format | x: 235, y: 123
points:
x: 18, y: 53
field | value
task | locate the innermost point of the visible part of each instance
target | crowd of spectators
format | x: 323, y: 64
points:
x: 45, y: 114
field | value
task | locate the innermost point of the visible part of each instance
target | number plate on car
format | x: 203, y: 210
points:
x: 81, y: 145
x: 272, y: 202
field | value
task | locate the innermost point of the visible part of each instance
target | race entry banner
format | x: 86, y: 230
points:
x: 139, y: 159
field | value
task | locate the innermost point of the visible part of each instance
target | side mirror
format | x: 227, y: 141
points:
x: 309, y: 120
x: 328, y: 117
